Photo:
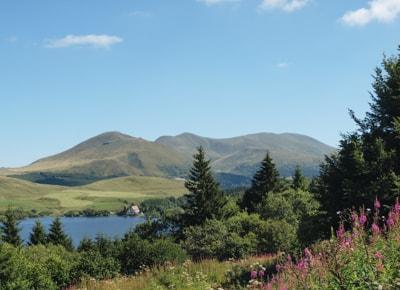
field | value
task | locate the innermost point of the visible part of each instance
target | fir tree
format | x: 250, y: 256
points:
x: 367, y: 164
x: 9, y: 229
x: 38, y: 235
x: 57, y: 236
x: 299, y: 181
x: 264, y: 181
x: 205, y: 200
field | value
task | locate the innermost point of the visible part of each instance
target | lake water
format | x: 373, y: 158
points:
x: 79, y: 227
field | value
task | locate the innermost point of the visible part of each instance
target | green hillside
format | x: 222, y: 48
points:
x: 105, y: 156
x: 241, y: 155
x: 108, y: 194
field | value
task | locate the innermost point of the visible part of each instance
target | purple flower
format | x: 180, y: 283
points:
x: 378, y: 255
x: 375, y: 229
x: 390, y: 222
x: 377, y: 204
x: 397, y: 206
x: 308, y: 253
x: 253, y: 274
x: 362, y: 219
x: 261, y: 274
x: 340, y: 232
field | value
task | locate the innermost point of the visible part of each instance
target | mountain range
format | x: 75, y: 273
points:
x: 234, y: 160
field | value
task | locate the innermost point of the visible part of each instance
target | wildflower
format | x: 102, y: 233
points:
x: 340, y: 232
x: 278, y: 267
x: 261, y: 274
x: 338, y: 212
x: 362, y: 219
x: 378, y: 255
x: 253, y: 274
x: 397, y: 206
x: 377, y: 204
x: 308, y: 253
x: 390, y: 222
x: 375, y: 229
x: 368, y: 209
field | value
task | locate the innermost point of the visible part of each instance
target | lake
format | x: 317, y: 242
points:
x: 79, y: 227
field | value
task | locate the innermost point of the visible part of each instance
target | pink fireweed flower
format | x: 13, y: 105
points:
x: 375, y: 229
x: 253, y: 274
x: 308, y: 253
x: 340, y: 232
x: 362, y: 219
x: 390, y: 222
x: 261, y: 274
x: 378, y: 255
x: 377, y: 204
x: 397, y: 206
x: 278, y: 268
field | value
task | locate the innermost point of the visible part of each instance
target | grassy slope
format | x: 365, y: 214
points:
x: 112, y: 154
x: 107, y: 194
x: 241, y: 155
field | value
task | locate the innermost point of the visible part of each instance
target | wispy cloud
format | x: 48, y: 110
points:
x: 285, y: 5
x: 216, y: 2
x: 91, y: 40
x: 11, y: 39
x: 376, y: 10
x: 140, y: 13
x: 282, y: 65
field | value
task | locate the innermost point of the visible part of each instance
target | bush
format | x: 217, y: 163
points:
x: 36, y: 267
x: 277, y: 235
x: 93, y: 264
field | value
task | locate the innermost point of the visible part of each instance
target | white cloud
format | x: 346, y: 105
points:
x: 282, y: 65
x: 285, y: 5
x: 215, y: 2
x: 92, y: 40
x: 377, y: 10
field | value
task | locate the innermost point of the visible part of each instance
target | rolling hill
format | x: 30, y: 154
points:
x: 109, y: 194
x: 108, y: 155
x: 114, y: 154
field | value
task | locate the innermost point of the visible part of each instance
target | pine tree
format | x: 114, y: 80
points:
x: 10, y: 230
x: 205, y: 200
x: 57, y: 236
x: 38, y: 235
x: 264, y: 181
x: 299, y: 181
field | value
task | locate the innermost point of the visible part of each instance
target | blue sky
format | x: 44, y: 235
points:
x: 72, y: 69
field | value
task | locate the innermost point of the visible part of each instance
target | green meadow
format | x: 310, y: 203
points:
x: 110, y: 194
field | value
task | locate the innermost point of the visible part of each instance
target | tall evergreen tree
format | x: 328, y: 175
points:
x: 9, y: 229
x: 38, y: 235
x: 367, y: 164
x: 205, y: 200
x: 299, y: 181
x: 264, y: 181
x: 57, y: 236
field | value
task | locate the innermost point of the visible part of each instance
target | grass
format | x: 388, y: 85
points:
x: 106, y: 194
x: 207, y: 274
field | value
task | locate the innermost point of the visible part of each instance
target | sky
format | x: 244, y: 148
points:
x: 72, y: 69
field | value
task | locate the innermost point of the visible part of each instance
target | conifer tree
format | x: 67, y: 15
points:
x: 264, y: 181
x: 57, y: 236
x: 299, y: 181
x: 205, y: 200
x: 38, y: 235
x: 367, y: 164
x: 9, y: 229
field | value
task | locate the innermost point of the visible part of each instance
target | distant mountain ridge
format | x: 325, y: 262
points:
x: 113, y: 154
x: 242, y: 155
